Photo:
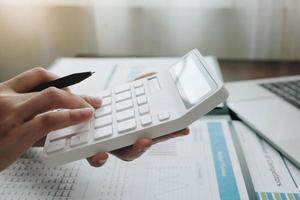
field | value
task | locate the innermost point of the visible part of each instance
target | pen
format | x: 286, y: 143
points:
x: 63, y: 81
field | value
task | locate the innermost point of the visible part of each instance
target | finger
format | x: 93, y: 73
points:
x: 98, y: 160
x: 180, y: 133
x: 49, y: 99
x: 25, y: 81
x: 38, y: 127
x: 96, y: 102
x: 132, y: 152
x: 145, y: 75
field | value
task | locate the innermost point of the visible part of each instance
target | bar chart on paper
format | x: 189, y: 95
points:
x: 202, y: 164
x: 226, y: 179
x: 277, y: 196
x: 274, y: 177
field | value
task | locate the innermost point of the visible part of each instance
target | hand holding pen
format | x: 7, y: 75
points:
x: 25, y: 120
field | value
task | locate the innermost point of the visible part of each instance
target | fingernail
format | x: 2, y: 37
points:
x: 87, y: 111
x: 97, y: 101
x: 101, y: 162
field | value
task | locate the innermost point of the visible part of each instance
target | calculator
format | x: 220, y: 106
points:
x: 150, y: 107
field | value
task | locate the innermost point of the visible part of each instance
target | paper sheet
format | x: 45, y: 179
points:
x: 202, y: 165
x: 28, y: 178
x: 274, y: 177
x: 183, y: 168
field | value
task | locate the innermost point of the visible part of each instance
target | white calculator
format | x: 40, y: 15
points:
x: 148, y: 107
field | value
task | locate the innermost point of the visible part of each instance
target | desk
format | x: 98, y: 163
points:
x: 236, y: 70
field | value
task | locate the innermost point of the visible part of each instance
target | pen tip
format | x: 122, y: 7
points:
x: 92, y: 72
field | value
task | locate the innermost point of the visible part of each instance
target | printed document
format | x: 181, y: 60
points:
x: 274, y: 177
x: 202, y: 165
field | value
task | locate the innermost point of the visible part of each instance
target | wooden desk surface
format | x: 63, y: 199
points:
x: 234, y: 70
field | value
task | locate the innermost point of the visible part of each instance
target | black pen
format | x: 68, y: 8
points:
x: 63, y: 81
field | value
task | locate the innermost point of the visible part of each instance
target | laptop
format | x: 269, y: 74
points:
x: 271, y: 107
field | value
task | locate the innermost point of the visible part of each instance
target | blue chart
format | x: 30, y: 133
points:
x: 223, y: 167
x: 277, y: 196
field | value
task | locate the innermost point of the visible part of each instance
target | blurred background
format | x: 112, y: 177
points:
x: 36, y: 32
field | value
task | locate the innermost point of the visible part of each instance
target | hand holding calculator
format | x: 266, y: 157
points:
x: 148, y: 107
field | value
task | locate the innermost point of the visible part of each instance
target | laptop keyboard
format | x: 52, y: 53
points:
x: 288, y: 90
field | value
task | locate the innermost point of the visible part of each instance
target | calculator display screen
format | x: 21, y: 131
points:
x: 190, y: 81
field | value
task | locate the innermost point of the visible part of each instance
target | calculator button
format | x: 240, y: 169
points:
x: 146, y: 120
x: 127, y: 114
x: 71, y: 130
x: 124, y: 105
x: 56, y: 145
x: 103, y: 111
x: 164, y: 115
x: 139, y: 91
x: 103, y: 132
x: 138, y: 83
x: 105, y: 93
x: 122, y: 88
x: 126, y: 125
x: 141, y: 100
x: 103, y: 121
x: 123, y: 96
x: 144, y: 109
x: 79, y: 139
x: 106, y: 101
